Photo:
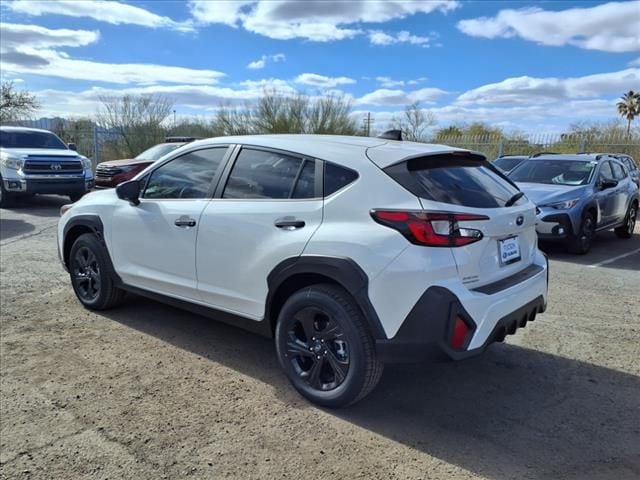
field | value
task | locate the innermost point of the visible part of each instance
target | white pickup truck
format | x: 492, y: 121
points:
x: 37, y: 161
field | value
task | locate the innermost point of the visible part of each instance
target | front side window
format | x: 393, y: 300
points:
x: 606, y: 174
x: 554, y: 172
x: 260, y: 174
x: 188, y: 176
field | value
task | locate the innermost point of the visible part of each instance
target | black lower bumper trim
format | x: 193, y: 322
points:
x: 426, y: 332
x: 60, y: 187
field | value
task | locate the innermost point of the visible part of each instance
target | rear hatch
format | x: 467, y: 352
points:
x: 465, y: 183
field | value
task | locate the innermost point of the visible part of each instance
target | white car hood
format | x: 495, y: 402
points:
x: 48, y: 152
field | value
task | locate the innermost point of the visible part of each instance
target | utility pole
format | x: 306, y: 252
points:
x: 174, y: 119
x: 366, y: 124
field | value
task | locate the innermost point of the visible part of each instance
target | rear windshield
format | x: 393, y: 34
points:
x: 459, y: 180
x: 506, y: 163
x: 26, y: 139
x: 555, y: 172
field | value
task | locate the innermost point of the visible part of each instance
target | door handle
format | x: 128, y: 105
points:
x: 288, y: 224
x: 184, y: 222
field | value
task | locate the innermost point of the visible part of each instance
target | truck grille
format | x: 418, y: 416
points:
x: 107, y: 171
x: 52, y: 166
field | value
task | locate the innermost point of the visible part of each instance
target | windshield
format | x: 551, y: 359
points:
x: 554, y: 172
x: 158, y: 151
x: 507, y: 163
x: 27, y: 139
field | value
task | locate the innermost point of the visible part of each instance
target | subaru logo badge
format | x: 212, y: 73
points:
x: 519, y: 220
x: 56, y: 166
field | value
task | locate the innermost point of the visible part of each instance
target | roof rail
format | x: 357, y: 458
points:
x: 391, y: 135
x: 538, y: 154
x: 180, y: 139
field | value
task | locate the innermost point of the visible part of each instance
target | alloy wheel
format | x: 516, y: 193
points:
x: 631, y: 221
x: 86, y: 274
x: 317, y: 349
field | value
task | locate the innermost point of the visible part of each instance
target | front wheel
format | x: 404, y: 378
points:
x: 325, y: 348
x: 91, y: 274
x: 626, y: 230
x: 580, y: 243
x: 6, y: 198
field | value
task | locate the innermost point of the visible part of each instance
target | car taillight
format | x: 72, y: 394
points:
x: 459, y: 335
x: 432, y: 229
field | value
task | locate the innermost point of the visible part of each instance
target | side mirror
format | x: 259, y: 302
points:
x: 604, y: 184
x: 72, y: 146
x: 129, y: 191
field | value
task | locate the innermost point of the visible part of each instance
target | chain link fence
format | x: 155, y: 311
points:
x: 101, y: 144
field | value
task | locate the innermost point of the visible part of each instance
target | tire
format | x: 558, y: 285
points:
x: 92, y: 275
x: 626, y: 230
x: 6, y: 198
x: 74, y: 197
x: 582, y: 241
x: 337, y: 366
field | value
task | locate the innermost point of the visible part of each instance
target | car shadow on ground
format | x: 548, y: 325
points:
x: 47, y: 206
x: 10, y: 228
x: 511, y: 413
x: 606, y: 246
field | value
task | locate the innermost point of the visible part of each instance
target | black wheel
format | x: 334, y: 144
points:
x: 92, y: 275
x: 580, y: 243
x: 6, y: 198
x: 325, y: 348
x: 74, y: 197
x: 626, y: 230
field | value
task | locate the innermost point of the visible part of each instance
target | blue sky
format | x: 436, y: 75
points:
x: 529, y: 66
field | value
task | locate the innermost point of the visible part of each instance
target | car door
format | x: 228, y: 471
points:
x: 622, y: 191
x: 154, y: 242
x: 605, y: 196
x: 266, y: 212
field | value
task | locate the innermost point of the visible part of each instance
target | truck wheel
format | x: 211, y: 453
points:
x: 626, y: 230
x: 6, y: 198
x: 74, y: 197
x: 92, y: 275
x: 325, y: 348
x: 580, y: 243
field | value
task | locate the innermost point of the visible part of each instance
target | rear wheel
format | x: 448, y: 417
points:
x: 325, y: 348
x: 626, y: 230
x: 91, y: 274
x: 580, y: 243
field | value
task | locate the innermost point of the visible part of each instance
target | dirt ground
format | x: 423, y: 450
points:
x: 147, y: 391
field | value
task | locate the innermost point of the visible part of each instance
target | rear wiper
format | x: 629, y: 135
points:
x: 514, y: 199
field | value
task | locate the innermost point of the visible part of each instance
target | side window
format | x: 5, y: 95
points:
x: 188, y: 176
x: 631, y: 166
x: 262, y: 174
x: 336, y: 177
x: 618, y: 171
x: 605, y: 171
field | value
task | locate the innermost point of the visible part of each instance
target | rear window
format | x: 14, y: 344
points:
x: 506, y: 163
x: 459, y: 180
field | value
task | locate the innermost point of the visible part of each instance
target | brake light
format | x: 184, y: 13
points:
x: 459, y: 335
x: 431, y: 229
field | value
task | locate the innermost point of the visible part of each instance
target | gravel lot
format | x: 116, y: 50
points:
x: 147, y: 391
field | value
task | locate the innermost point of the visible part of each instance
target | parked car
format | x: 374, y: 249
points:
x: 579, y: 195
x: 630, y: 163
x: 111, y: 173
x: 506, y: 163
x: 350, y: 251
x: 36, y: 161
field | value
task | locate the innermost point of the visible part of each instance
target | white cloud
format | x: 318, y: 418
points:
x: 610, y: 27
x: 384, y: 96
x: 315, y: 20
x: 112, y: 12
x: 531, y: 90
x: 378, y: 37
x: 388, y: 82
x: 316, y: 80
x: 259, y: 64
x: 30, y: 49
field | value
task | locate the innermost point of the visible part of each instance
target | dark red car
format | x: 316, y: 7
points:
x: 114, y: 172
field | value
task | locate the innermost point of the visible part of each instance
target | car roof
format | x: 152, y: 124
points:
x: 585, y: 157
x: 342, y: 149
x: 6, y: 128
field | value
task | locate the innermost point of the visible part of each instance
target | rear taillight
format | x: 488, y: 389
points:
x: 460, y: 333
x: 432, y: 229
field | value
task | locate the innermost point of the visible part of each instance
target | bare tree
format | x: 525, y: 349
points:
x: 16, y: 105
x: 233, y: 121
x: 414, y: 123
x: 331, y: 115
x: 135, y: 120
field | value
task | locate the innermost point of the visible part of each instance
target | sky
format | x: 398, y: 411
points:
x: 524, y: 66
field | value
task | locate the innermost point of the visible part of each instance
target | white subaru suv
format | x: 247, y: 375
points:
x: 351, y: 252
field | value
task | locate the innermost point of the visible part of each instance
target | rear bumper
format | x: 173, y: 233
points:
x: 426, y: 333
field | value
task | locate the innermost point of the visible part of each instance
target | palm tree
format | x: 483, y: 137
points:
x: 629, y: 107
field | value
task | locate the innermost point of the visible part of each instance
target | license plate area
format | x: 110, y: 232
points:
x: 509, y: 250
